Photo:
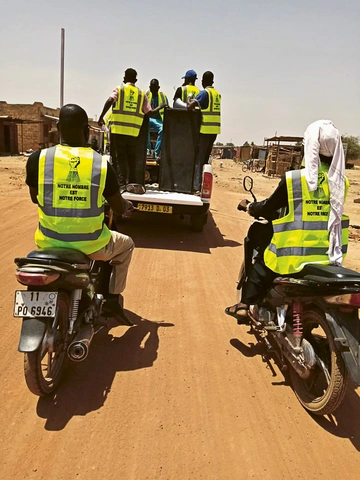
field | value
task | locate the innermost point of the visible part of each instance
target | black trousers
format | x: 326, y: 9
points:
x: 123, y: 150
x: 259, y: 280
x: 206, y: 142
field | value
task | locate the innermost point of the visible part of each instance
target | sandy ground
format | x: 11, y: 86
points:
x: 182, y: 395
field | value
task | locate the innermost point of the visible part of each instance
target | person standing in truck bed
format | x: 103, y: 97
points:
x: 188, y: 89
x: 209, y: 100
x: 129, y: 105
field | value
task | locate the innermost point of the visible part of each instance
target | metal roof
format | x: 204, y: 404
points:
x: 284, y: 139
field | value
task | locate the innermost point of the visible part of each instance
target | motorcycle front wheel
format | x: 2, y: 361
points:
x: 43, y: 368
x: 324, y: 390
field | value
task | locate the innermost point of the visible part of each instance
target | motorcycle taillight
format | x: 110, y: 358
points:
x: 355, y: 300
x: 26, y: 278
x: 207, y: 185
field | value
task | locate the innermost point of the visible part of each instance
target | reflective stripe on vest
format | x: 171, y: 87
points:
x: 162, y: 98
x: 71, y: 183
x: 301, y: 236
x: 189, y: 91
x: 210, y: 123
x: 127, y: 114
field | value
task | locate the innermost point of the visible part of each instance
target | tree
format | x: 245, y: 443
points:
x: 219, y: 144
x: 246, y: 144
x: 353, y: 146
x: 229, y: 144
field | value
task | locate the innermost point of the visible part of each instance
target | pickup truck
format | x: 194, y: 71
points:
x: 169, y: 182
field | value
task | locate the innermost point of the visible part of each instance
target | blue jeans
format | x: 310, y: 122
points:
x: 155, y: 125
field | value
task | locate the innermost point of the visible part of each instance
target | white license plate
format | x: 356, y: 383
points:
x: 35, y: 304
x: 149, y: 207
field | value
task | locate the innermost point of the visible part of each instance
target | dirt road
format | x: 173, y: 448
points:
x: 182, y: 395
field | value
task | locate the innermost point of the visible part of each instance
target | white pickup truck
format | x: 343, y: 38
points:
x: 169, y: 184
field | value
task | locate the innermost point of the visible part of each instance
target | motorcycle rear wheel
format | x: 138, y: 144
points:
x: 43, y: 368
x: 323, y: 392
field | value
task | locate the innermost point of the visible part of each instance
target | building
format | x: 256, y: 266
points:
x: 26, y: 127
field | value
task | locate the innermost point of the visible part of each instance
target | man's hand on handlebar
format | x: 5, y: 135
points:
x: 243, y: 205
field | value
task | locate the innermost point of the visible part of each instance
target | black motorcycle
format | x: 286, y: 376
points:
x: 310, y: 321
x: 61, y: 309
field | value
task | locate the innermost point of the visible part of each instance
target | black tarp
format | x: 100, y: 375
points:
x: 179, y: 149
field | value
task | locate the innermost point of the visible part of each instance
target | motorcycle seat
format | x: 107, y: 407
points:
x: 329, y: 274
x: 56, y: 256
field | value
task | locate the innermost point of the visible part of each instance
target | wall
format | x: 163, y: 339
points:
x: 30, y: 135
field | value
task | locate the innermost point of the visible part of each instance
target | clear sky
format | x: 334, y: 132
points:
x: 278, y: 64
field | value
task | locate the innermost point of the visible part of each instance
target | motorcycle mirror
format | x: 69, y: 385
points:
x: 136, y: 188
x: 248, y: 183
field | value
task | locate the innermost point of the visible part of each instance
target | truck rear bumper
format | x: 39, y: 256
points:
x: 181, y: 203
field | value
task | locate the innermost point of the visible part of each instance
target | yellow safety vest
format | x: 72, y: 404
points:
x: 71, y: 183
x: 127, y: 114
x: 189, y: 91
x: 210, y: 123
x: 301, y: 236
x: 162, y: 98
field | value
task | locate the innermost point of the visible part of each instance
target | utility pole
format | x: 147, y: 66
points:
x: 62, y: 68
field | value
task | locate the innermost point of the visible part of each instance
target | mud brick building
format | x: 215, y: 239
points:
x: 24, y: 127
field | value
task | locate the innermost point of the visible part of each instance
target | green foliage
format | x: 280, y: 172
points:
x: 353, y: 147
x: 246, y: 144
x: 229, y: 144
x: 219, y: 144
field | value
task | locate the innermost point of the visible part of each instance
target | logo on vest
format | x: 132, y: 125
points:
x: 73, y: 175
x: 319, y: 192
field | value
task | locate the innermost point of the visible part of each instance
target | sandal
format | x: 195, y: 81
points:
x: 239, y: 311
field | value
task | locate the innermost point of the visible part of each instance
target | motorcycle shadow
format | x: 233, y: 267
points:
x: 85, y: 386
x: 345, y: 422
x: 259, y: 349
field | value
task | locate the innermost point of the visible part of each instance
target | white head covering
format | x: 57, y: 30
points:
x: 323, y: 137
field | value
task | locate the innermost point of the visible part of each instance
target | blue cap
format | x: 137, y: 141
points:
x: 190, y: 73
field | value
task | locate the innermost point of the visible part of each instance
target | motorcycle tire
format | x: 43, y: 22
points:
x: 311, y: 392
x: 42, y: 378
x: 245, y: 167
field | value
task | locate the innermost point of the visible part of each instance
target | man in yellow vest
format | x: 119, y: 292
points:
x: 188, y: 90
x: 313, y: 228
x: 129, y: 105
x: 209, y: 100
x: 158, y: 101
x: 70, y: 183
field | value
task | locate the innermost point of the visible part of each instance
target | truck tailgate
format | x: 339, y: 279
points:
x: 168, y: 198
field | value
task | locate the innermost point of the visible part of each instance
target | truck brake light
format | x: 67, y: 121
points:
x: 207, y: 184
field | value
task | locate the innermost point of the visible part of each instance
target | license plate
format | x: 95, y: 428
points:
x: 35, y: 304
x: 148, y: 207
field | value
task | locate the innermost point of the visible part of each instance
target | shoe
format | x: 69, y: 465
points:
x: 240, y: 311
x: 111, y: 308
x: 197, y: 193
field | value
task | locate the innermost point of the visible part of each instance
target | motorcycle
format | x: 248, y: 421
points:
x: 310, y: 322
x: 61, y: 308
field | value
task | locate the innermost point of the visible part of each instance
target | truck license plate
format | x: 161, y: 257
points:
x: 35, y: 304
x: 148, y: 207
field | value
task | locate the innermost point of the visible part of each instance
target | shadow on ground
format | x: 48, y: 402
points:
x: 344, y: 423
x: 170, y: 232
x: 86, y: 385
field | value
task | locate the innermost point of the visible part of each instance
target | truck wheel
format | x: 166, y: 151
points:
x: 197, y: 222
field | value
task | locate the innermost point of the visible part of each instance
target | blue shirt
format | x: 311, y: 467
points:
x: 203, y: 99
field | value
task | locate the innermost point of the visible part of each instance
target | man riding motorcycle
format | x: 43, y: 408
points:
x: 70, y: 183
x: 310, y: 230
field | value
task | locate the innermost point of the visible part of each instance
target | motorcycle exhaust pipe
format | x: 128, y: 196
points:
x: 79, y: 348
